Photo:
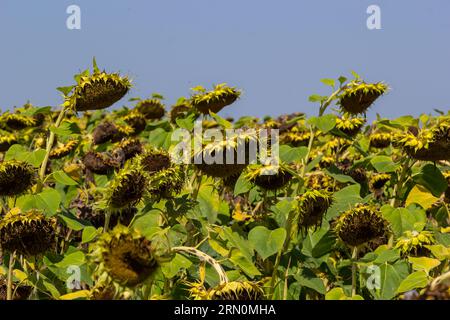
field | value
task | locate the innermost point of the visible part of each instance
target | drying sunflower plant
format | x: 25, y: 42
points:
x: 96, y: 205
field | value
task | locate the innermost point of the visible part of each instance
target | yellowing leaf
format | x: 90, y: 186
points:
x: 22, y: 276
x: 424, y: 263
x: 421, y: 196
x: 75, y: 295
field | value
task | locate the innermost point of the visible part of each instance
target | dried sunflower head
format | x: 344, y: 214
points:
x: 312, y: 205
x: 414, y: 243
x: 268, y: 177
x: 17, y: 121
x: 180, y: 110
x: 380, y: 140
x: 130, y: 148
x: 28, y: 233
x: 152, y: 109
x: 123, y: 259
x: 215, y: 100
x: 16, y: 177
x: 104, y: 132
x: 99, y: 162
x: 358, y: 96
x: 126, y: 189
x: 377, y: 181
x: 360, y: 225
x: 440, y: 291
x: 98, y: 91
x: 350, y: 126
x: 428, y: 144
x: 320, y: 181
x: 235, y: 290
x: 63, y: 149
x: 136, y: 121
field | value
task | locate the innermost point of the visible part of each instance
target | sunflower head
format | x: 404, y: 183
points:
x: 130, y: 148
x: 152, y: 109
x: 296, y: 137
x: 440, y: 291
x: 360, y: 225
x: 350, y: 126
x: 126, y: 189
x: 16, y: 177
x: 104, y: 132
x: 235, y: 290
x: 312, y: 205
x: 6, y: 140
x: 180, y: 110
x: 98, y: 91
x: 380, y: 140
x: 268, y: 177
x: 377, y: 181
x: 414, y: 243
x: 214, y: 100
x: 319, y: 181
x: 137, y: 121
x: 17, y: 121
x: 63, y: 149
x: 358, y: 96
x: 428, y: 144
x: 124, y: 258
x: 28, y: 233
x: 99, y: 162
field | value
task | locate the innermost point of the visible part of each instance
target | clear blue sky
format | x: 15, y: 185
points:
x: 276, y: 51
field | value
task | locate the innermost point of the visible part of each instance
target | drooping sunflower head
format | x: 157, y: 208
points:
x: 414, y: 243
x: 16, y: 177
x: 358, y: 96
x: 268, y: 177
x: 235, y: 290
x: 296, y: 137
x: 152, y: 109
x: 126, y: 189
x: 17, y: 121
x: 137, y: 121
x: 155, y: 160
x: 350, y: 126
x: 180, y: 109
x: 337, y: 144
x: 64, y: 149
x: 98, y: 91
x: 380, y: 140
x: 104, y: 132
x: 7, y: 139
x: 124, y: 258
x: 320, y: 181
x: 100, y: 162
x: 377, y: 181
x: 130, y: 148
x: 312, y: 205
x: 225, y: 156
x: 360, y: 225
x: 428, y: 144
x: 28, y: 233
x: 214, y: 100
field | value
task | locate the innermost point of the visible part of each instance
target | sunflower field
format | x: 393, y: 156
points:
x: 94, y: 206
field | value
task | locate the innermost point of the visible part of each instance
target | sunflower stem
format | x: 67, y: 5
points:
x: 107, y: 220
x: 399, y: 186
x: 50, y: 141
x: 204, y: 257
x: 354, y: 269
x: 12, y: 259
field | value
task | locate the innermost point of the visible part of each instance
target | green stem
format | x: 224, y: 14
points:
x: 107, y: 220
x: 50, y: 141
x: 399, y: 186
x: 12, y: 259
x: 354, y: 269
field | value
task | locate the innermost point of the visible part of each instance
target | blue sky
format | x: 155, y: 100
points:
x: 276, y: 51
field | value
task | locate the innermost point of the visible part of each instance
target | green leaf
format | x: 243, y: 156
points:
x: 179, y: 262
x: 317, y: 98
x: 48, y: 201
x: 62, y: 178
x: 289, y: 154
x: 76, y: 258
x: 416, y: 280
x: 66, y: 128
x: 309, y: 281
x: 72, y: 221
x: 187, y: 123
x: 89, y: 234
x: 21, y: 153
x: 221, y: 121
x: 242, y: 185
x: 148, y: 224
x: 324, y: 123
x: 391, y: 278
x: 339, y: 294
x: 342, y: 80
x: 65, y: 90
x: 246, y: 265
x: 431, y: 178
x: 344, y: 199
x: 328, y: 82
x: 402, y: 219
x: 267, y: 242
x: 384, y: 164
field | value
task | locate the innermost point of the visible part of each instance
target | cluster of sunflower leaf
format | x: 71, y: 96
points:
x: 94, y: 206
